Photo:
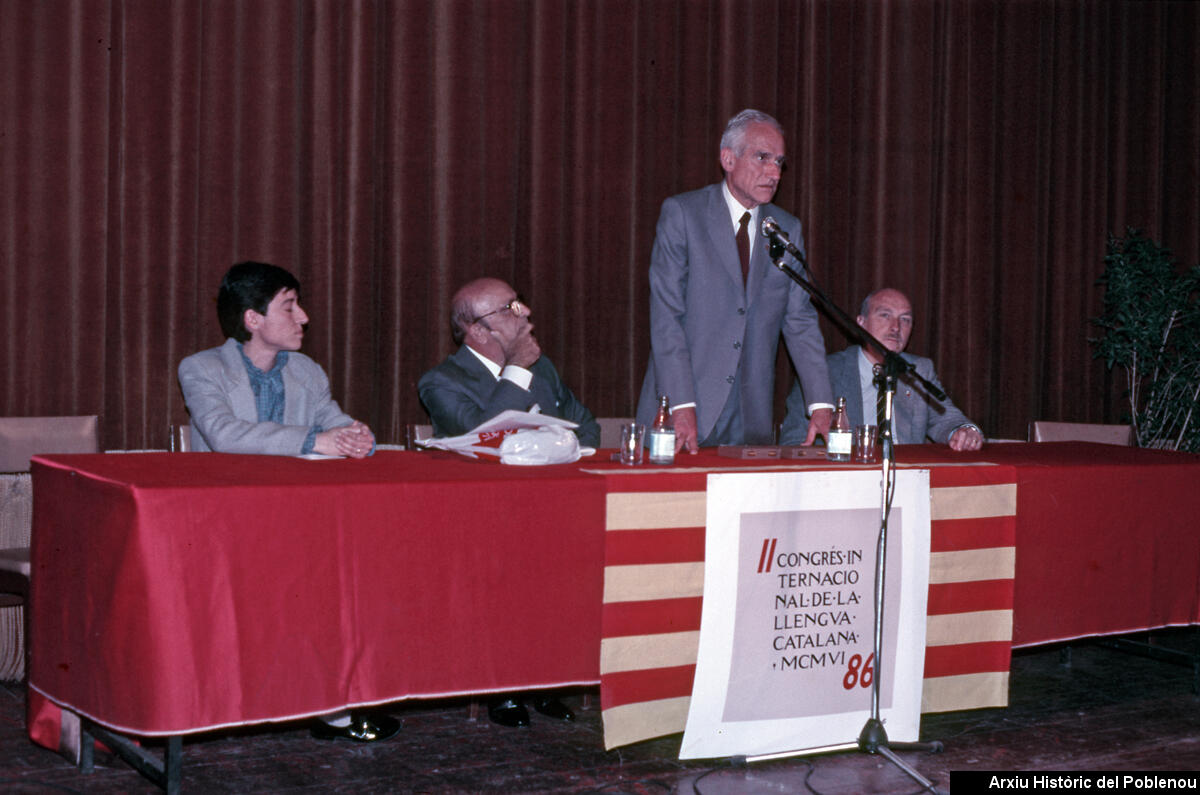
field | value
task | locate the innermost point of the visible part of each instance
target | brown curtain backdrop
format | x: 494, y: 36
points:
x: 973, y: 154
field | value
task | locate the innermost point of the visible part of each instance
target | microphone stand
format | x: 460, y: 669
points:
x: 873, y: 738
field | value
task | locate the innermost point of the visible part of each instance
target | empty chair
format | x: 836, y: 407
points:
x: 412, y: 433
x: 16, y: 507
x: 181, y: 439
x: 418, y: 433
x: 1043, y: 431
x: 610, y: 430
x: 20, y: 439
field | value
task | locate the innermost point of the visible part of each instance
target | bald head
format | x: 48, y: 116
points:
x: 489, y: 316
x: 466, y: 302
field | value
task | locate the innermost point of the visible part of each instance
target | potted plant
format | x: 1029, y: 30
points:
x: 1151, y: 330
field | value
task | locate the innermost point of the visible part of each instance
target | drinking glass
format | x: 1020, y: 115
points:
x: 865, y: 451
x: 633, y: 440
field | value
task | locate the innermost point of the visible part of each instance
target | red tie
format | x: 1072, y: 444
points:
x: 743, y: 243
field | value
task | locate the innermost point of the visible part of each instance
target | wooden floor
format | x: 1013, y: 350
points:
x: 1106, y: 711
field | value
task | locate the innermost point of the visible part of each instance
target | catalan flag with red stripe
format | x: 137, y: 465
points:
x: 654, y: 586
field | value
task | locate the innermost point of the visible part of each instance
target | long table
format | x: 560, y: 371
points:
x: 181, y: 592
x: 178, y: 593
x: 1107, y: 540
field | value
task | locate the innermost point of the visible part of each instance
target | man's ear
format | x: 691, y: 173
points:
x: 251, y: 320
x: 728, y: 159
x: 861, y: 320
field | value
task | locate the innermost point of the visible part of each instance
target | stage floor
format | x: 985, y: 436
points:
x: 1107, y: 711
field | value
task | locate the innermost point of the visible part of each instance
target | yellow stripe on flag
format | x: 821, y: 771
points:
x: 981, y: 626
x: 630, y: 510
x: 642, y: 652
x: 965, y: 691
x: 972, y: 502
x: 972, y: 565
x: 631, y: 723
x: 640, y: 583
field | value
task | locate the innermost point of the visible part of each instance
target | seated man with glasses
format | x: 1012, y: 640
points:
x: 498, y: 366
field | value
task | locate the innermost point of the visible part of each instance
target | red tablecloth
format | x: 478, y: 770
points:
x: 1107, y: 536
x: 178, y: 592
x: 1108, y: 539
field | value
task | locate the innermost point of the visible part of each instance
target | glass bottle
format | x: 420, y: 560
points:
x: 662, y: 435
x: 837, y: 441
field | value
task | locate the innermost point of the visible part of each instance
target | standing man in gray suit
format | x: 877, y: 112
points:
x: 257, y: 394
x: 718, y: 305
x: 916, y: 415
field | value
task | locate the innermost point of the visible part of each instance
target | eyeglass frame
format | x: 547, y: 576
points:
x: 513, y: 306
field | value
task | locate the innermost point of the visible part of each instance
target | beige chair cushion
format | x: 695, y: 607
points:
x: 1042, y: 431
x: 610, y: 430
x: 21, y: 438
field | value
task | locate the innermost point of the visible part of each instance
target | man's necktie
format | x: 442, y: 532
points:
x: 880, y: 400
x: 743, y: 243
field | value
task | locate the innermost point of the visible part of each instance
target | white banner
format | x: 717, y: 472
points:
x: 786, y: 659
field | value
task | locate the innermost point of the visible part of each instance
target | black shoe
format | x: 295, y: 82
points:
x: 509, y: 712
x: 361, y: 729
x: 553, y: 708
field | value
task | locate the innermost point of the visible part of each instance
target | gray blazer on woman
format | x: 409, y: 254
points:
x: 216, y: 389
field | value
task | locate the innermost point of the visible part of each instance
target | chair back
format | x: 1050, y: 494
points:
x: 21, y: 438
x: 610, y: 430
x: 1043, y: 431
x: 181, y: 439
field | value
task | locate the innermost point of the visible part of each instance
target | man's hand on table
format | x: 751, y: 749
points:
x: 818, y: 424
x: 685, y: 430
x: 354, y: 441
x: 966, y: 438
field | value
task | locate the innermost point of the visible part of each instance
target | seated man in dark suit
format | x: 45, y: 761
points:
x: 258, y: 394
x: 887, y: 314
x: 499, y: 366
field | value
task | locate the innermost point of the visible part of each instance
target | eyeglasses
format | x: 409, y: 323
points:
x: 516, y: 306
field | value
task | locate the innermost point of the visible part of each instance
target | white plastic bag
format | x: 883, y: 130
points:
x: 551, y: 444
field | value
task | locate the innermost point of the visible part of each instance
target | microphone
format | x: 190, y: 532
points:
x: 771, y: 230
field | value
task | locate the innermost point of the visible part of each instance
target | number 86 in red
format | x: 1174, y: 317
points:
x: 853, y: 677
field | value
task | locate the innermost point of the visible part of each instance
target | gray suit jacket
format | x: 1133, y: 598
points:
x: 217, y: 392
x: 703, y: 322
x: 915, y: 413
x: 460, y: 393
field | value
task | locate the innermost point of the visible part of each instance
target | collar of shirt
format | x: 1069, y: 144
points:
x: 492, y: 367
x: 280, y: 360
x: 267, y: 386
x: 518, y: 375
x: 736, y: 210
